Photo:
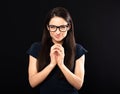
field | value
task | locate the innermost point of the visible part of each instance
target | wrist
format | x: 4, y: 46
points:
x: 60, y: 64
x: 52, y: 64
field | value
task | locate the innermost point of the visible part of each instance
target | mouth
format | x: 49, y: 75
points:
x: 57, y: 36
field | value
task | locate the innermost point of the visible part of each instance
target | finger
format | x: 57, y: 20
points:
x: 59, y: 51
x: 53, y: 50
x: 55, y: 47
x: 58, y: 46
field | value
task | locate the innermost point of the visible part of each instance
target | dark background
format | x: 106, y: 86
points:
x: 97, y: 28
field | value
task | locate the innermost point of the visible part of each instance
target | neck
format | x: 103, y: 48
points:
x: 59, y: 42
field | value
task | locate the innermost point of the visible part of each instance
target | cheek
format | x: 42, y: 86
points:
x: 51, y: 34
x: 65, y: 34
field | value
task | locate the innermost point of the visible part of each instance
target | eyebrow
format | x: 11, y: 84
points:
x: 59, y: 25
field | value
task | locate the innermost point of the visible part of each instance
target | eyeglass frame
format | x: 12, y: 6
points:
x: 58, y: 27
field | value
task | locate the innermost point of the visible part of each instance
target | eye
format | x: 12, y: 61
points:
x: 52, y: 26
x: 62, y: 26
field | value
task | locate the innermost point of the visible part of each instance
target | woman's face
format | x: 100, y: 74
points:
x: 58, y: 29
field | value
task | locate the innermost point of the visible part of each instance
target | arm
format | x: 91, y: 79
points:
x: 75, y: 79
x: 36, y: 77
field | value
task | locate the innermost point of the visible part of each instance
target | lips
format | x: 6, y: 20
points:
x: 57, y: 36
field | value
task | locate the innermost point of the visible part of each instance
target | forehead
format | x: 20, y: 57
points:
x: 57, y: 21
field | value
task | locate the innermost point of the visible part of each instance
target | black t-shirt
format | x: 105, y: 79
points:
x: 52, y: 84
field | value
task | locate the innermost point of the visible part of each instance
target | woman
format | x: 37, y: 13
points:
x: 56, y: 64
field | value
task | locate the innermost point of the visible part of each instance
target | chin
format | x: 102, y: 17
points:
x: 58, y: 40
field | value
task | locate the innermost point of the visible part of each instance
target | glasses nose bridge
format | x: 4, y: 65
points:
x: 57, y: 28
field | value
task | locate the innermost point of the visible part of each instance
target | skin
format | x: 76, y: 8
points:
x: 58, y: 36
x: 57, y: 55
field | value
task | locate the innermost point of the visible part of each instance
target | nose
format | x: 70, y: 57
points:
x: 57, y: 31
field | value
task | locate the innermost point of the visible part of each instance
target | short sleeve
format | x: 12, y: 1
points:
x: 34, y: 49
x: 80, y: 50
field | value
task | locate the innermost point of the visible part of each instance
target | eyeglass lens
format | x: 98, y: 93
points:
x: 61, y: 28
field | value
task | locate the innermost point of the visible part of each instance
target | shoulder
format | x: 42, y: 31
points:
x: 80, y: 50
x: 34, y: 49
x: 80, y: 47
x: 36, y: 45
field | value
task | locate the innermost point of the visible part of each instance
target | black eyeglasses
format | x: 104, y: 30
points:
x: 62, y: 28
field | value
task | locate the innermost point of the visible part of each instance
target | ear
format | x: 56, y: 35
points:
x: 69, y: 26
x: 47, y: 27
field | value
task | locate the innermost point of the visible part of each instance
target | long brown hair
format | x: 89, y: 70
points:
x: 68, y: 44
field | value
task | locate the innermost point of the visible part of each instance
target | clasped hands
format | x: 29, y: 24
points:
x: 57, y: 54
